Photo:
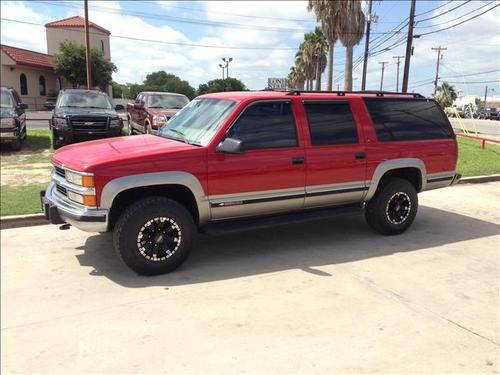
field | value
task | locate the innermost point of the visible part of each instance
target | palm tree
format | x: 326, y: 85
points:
x: 445, y: 94
x: 314, y: 52
x: 350, y: 28
x: 296, y: 78
x: 327, y: 12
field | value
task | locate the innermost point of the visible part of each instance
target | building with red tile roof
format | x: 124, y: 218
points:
x: 32, y: 73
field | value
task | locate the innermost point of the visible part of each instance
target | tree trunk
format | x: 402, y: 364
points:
x: 330, y: 68
x: 348, y: 69
x: 318, y: 69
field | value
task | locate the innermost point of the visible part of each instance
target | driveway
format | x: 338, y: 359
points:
x: 323, y: 297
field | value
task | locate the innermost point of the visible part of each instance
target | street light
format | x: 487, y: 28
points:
x: 222, y: 67
x: 226, y: 61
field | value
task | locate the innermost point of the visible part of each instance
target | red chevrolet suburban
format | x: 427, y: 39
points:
x: 248, y: 159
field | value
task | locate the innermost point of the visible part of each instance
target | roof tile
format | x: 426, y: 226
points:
x: 75, y: 21
x: 29, y: 58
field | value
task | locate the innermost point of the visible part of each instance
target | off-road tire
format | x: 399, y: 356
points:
x: 131, y: 224
x: 378, y: 213
x: 55, y: 145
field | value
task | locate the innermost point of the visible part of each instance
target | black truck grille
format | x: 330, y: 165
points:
x: 88, y: 127
x: 60, y: 172
x: 61, y: 190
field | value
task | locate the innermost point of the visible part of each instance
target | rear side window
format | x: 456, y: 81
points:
x: 407, y: 120
x: 330, y: 123
x: 265, y: 125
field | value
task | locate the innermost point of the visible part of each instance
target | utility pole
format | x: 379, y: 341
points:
x: 439, y: 49
x: 397, y: 76
x: 367, y: 44
x: 382, y: 77
x: 87, y: 45
x: 409, y: 42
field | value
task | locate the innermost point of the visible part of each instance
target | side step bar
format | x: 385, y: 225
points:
x: 247, y: 224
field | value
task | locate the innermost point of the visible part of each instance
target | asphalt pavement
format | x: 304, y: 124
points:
x: 317, y: 298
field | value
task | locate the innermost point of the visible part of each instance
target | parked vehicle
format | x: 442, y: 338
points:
x: 151, y: 110
x: 13, y: 118
x: 50, y: 104
x: 246, y: 159
x: 82, y: 115
x: 494, y: 114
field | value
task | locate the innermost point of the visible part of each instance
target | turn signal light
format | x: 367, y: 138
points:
x: 90, y: 200
x: 88, y: 181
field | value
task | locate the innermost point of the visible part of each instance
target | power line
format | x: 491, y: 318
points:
x: 442, y: 14
x: 471, y: 74
x: 166, y: 43
x: 473, y: 82
x: 234, y: 14
x: 455, y: 19
x: 433, y: 9
x: 458, y: 24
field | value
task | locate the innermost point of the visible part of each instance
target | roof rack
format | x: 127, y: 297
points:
x: 343, y: 93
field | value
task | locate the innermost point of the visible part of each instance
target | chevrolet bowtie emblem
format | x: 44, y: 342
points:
x: 88, y: 123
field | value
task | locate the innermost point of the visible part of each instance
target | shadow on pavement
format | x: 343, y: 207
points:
x: 303, y: 246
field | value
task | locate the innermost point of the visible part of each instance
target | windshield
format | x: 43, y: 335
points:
x: 84, y: 99
x: 166, y: 101
x: 7, y: 101
x: 198, y: 121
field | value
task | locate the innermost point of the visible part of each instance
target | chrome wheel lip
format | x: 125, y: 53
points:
x: 157, y: 237
x: 398, y: 215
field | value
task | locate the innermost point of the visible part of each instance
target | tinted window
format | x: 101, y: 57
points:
x: 330, y: 123
x: 403, y: 119
x: 266, y: 125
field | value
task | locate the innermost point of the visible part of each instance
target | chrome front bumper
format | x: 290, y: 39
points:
x: 58, y: 210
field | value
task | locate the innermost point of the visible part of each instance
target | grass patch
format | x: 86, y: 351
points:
x: 472, y: 161
x: 18, y: 200
x: 36, y: 149
x: 38, y: 140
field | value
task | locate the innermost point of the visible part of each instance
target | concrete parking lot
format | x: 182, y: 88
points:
x: 323, y: 297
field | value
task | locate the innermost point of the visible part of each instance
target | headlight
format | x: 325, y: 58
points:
x: 86, y: 200
x: 159, y: 120
x: 114, y: 123
x: 85, y: 180
x: 8, y: 122
x: 60, y: 123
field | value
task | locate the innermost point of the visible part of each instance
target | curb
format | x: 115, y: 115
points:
x: 17, y: 221
x: 479, y: 179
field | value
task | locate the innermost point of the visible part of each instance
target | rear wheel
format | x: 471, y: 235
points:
x: 154, y: 236
x: 393, y: 208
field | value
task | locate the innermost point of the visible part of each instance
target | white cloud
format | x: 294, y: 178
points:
x: 15, y: 34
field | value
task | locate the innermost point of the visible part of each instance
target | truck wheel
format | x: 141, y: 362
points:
x: 16, y: 144
x: 55, y: 145
x: 393, y: 208
x: 154, y: 236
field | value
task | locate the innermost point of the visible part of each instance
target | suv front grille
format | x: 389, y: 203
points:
x: 61, y: 190
x: 88, y: 127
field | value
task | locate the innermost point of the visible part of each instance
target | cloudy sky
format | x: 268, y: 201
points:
x: 189, y: 38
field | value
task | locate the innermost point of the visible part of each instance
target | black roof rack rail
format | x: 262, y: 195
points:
x: 343, y: 93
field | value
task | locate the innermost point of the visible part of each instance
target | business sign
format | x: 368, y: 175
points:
x: 277, y: 83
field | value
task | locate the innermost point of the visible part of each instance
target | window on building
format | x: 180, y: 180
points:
x: 102, y: 46
x: 23, y: 83
x: 330, y: 123
x: 408, y: 119
x: 43, y: 90
x: 266, y: 125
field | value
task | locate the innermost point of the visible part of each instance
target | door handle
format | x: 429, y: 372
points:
x: 360, y: 155
x: 298, y: 160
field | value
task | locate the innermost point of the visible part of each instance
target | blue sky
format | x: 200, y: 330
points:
x: 274, y: 29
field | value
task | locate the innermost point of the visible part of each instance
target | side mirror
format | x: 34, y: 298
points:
x: 231, y: 146
x: 119, y: 107
x: 22, y: 106
x: 138, y: 106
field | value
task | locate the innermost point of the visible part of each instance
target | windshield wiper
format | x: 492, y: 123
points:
x: 155, y: 106
x: 93, y: 106
x: 183, y: 139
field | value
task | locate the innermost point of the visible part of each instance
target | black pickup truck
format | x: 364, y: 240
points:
x: 82, y: 115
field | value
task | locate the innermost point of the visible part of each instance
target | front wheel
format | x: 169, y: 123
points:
x: 393, y: 208
x: 154, y: 236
